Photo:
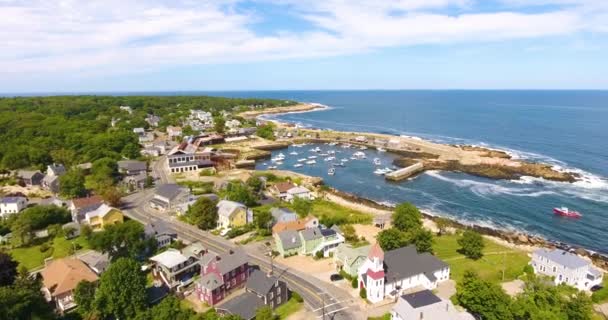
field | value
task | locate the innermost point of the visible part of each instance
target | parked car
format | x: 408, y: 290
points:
x: 596, y: 288
x: 335, y: 277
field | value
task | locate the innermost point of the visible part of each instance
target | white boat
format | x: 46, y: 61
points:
x: 272, y: 167
x: 363, y: 148
x: 331, y: 152
x: 278, y: 163
x: 311, y: 162
x: 343, y: 160
x: 331, y: 171
x: 302, y: 160
x: 377, y: 161
x: 329, y: 159
x: 387, y: 170
x: 317, y: 149
x: 293, y: 153
x: 346, y: 145
x: 312, y: 157
x: 359, y: 155
x: 333, y: 143
x: 379, y: 172
x: 324, y: 154
x: 297, y: 165
x: 379, y: 149
x: 264, y: 164
x: 353, y: 158
x: 281, y: 155
x: 338, y: 164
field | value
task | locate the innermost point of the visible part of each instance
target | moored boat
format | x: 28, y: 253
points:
x: 565, y: 212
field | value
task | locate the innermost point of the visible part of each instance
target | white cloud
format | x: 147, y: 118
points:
x: 128, y: 36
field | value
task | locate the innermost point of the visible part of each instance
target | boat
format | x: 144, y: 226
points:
x: 379, y: 149
x: 331, y: 152
x: 377, y: 161
x: 312, y: 157
x: 333, y: 143
x: 565, y: 212
x: 363, y: 148
x: 379, y: 172
x: 272, y: 167
x: 278, y: 163
x: 331, y: 171
x: 264, y: 164
x: 317, y: 149
x: 302, y: 160
x: 297, y: 165
x: 387, y: 170
x: 359, y: 155
x: 324, y: 154
x: 311, y: 162
x: 346, y: 145
x: 343, y: 160
x: 338, y: 164
x: 293, y: 153
x: 329, y: 159
x: 281, y: 155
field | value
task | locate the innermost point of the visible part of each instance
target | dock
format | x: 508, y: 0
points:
x: 404, y: 173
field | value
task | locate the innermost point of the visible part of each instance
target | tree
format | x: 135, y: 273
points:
x: 84, y: 296
x: 423, y: 240
x: 262, y: 218
x: 24, y: 299
x: 354, y: 282
x: 71, y: 184
x: 266, y: 131
x: 349, y: 232
x: 255, y: 183
x: 239, y: 192
x: 442, y: 224
x: 579, y: 307
x: 149, y: 183
x: 362, y: 293
x: 264, y: 313
x: 130, y: 151
x: 113, y: 196
x: 63, y: 156
x: 203, y: 213
x: 302, y: 206
x: 390, y: 239
x: 482, y: 298
x: 168, y: 309
x: 8, y: 269
x: 219, y: 124
x: 122, y: 290
x: 471, y: 244
x: 122, y: 240
x: 407, y: 217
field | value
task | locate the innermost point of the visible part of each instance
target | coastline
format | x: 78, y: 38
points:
x: 519, y: 239
x: 298, y: 108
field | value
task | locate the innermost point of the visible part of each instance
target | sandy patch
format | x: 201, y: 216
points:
x: 33, y: 192
x: 369, y: 232
x: 514, y: 287
x: 307, y: 264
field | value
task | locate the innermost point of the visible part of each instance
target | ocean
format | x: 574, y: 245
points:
x: 568, y: 129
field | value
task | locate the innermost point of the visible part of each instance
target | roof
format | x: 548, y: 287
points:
x: 345, y: 250
x: 158, y: 228
x: 132, y: 165
x: 297, y: 225
x: 283, y: 186
x: 100, y: 211
x: 244, y: 306
x: 56, y: 169
x: 169, y: 191
x: 26, y: 174
x: 7, y: 200
x: 277, y: 213
x: 311, y: 234
x: 290, y: 239
x: 169, y: 258
x: 80, y: 203
x: 96, y: 260
x: 421, y: 298
x: 376, y: 251
x: 49, y: 180
x: 328, y: 232
x: 211, y: 281
x: 63, y: 275
x: 232, y: 261
x: 194, y: 249
x: 171, y: 128
x: 336, y: 228
x: 261, y: 283
x: 298, y: 190
x: 406, y: 262
x: 225, y: 208
x: 564, y: 258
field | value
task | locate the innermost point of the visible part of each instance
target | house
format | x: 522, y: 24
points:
x: 307, y: 241
x: 136, y: 182
x: 174, y: 131
x: 139, y: 131
x: 132, y: 167
x: 126, y: 108
x: 50, y: 183
x: 96, y: 261
x: 390, y: 274
x: 281, y: 189
x: 71, y: 230
x: 169, y: 196
x: 103, y: 216
x: 146, y: 137
x: 244, y: 306
x: 349, y: 259
x: 298, y: 192
x: 300, y: 224
x: 220, y: 275
x: 209, y: 139
x: 152, y: 120
x: 161, y: 232
x: 426, y: 305
x: 288, y: 242
x: 175, y: 269
x: 11, y: 205
x: 79, y: 206
x: 566, y: 267
x: 233, y: 214
x: 185, y: 157
x: 30, y: 178
x: 60, y: 277
x: 55, y: 170
x: 153, y: 152
x: 282, y: 215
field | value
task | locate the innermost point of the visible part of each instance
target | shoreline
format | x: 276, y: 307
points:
x: 298, y: 108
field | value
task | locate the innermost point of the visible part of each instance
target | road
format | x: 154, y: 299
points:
x: 323, y: 299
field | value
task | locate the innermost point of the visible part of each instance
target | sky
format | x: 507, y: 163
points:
x: 175, y: 45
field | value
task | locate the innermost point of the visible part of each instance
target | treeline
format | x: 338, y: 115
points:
x: 37, y: 131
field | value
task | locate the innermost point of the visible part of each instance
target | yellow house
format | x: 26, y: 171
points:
x: 233, y: 214
x: 103, y: 216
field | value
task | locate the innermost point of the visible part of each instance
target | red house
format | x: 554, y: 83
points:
x: 220, y: 275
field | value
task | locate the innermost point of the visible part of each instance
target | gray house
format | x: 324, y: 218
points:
x: 169, y: 196
x: 567, y: 268
x: 426, y: 305
x: 161, y: 232
x: 244, y: 306
x: 30, y: 178
x: 282, y: 215
x: 272, y: 291
x: 132, y: 167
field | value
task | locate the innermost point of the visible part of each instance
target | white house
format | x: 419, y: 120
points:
x: 168, y: 197
x: 174, y: 131
x: 298, y: 192
x: 139, y: 131
x: 390, y: 274
x: 11, y: 205
x: 566, y: 267
x: 426, y: 305
x: 231, y: 213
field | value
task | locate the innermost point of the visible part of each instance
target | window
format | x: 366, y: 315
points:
x: 271, y: 295
x: 553, y: 268
x: 279, y: 300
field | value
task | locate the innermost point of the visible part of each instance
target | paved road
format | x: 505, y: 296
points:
x: 320, y: 297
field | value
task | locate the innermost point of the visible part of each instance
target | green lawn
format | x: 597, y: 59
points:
x: 489, y: 267
x: 292, y: 306
x: 31, y: 257
x: 326, y: 210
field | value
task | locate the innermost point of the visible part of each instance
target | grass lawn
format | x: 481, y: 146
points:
x: 489, y: 267
x: 386, y: 316
x: 31, y: 257
x: 601, y: 295
x: 326, y: 210
x: 289, y: 308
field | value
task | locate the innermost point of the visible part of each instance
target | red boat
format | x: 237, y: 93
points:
x: 565, y: 212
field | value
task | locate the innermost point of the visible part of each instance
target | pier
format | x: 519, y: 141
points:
x: 404, y: 173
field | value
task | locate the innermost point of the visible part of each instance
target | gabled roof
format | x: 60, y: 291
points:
x: 297, y: 225
x: 290, y: 239
x: 169, y: 258
x: 376, y: 251
x: 298, y: 190
x: 311, y: 234
x: 132, y: 165
x: 63, y: 275
x: 211, y: 281
x: 347, y: 251
x: 284, y: 186
x: 26, y: 174
x: 7, y: 200
x: 406, y: 262
x: 244, y: 306
x: 80, y: 203
x: 421, y: 298
x: 100, y: 211
x: 56, y: 169
x: 277, y: 213
x: 229, y: 262
x: 261, y: 283
x: 226, y: 208
x: 169, y: 191
x: 561, y: 257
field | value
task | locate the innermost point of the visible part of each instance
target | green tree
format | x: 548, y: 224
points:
x: 24, y: 300
x: 471, y: 244
x: 84, y: 296
x: 482, y: 298
x: 266, y: 131
x: 130, y: 151
x: 362, y: 293
x: 349, y: 232
x: 579, y: 307
x: 407, y: 217
x: 262, y: 218
x: 168, y: 309
x: 219, y: 124
x: 71, y: 184
x: 390, y: 239
x: 302, y: 206
x: 264, y: 313
x: 203, y: 213
x: 63, y: 156
x: 122, y: 240
x: 255, y: 184
x: 423, y: 240
x: 113, y: 196
x: 239, y: 192
x: 442, y: 224
x: 122, y: 290
x: 8, y: 269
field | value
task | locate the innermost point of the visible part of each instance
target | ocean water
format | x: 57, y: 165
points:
x: 568, y: 129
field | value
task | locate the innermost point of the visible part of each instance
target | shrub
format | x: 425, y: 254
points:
x: 528, y: 270
x: 363, y: 293
x: 354, y: 283
x: 206, y: 173
x: 319, y: 255
x: 296, y: 296
x: 44, y: 247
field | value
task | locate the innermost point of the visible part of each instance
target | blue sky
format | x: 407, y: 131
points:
x: 124, y: 45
